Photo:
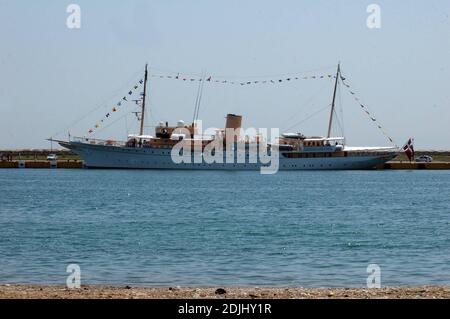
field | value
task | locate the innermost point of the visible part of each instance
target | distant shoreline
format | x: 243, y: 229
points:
x: 67, y: 155
x: 77, y: 164
x: 37, y: 158
x: 127, y: 292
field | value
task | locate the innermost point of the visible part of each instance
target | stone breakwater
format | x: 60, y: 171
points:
x: 80, y: 164
x: 42, y: 164
x: 31, y: 158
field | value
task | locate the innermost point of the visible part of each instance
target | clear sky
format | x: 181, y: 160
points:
x: 51, y: 75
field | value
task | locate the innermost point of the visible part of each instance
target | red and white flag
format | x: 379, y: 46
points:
x: 408, y: 148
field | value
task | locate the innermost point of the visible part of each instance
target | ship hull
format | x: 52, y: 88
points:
x: 103, y: 156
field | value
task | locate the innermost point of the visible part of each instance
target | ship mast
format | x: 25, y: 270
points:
x: 334, y: 100
x: 141, y: 132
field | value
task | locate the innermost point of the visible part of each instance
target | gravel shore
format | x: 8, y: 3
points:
x: 126, y: 292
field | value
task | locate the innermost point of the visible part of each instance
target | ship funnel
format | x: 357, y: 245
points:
x: 234, y: 122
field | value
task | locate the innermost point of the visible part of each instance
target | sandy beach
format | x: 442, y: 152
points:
x: 127, y: 292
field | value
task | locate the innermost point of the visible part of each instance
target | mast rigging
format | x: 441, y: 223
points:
x: 141, y: 131
x: 338, y: 72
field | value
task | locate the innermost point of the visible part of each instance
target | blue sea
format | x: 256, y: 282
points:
x: 166, y: 228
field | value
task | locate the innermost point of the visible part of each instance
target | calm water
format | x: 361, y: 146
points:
x: 225, y: 228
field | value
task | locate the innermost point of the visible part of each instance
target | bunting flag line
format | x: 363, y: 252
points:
x: 364, y: 108
x: 116, y: 107
x: 187, y: 78
x: 211, y: 79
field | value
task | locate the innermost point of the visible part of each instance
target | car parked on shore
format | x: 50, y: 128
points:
x: 424, y: 159
x: 52, y: 157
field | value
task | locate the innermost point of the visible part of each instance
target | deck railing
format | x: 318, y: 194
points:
x: 94, y: 141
